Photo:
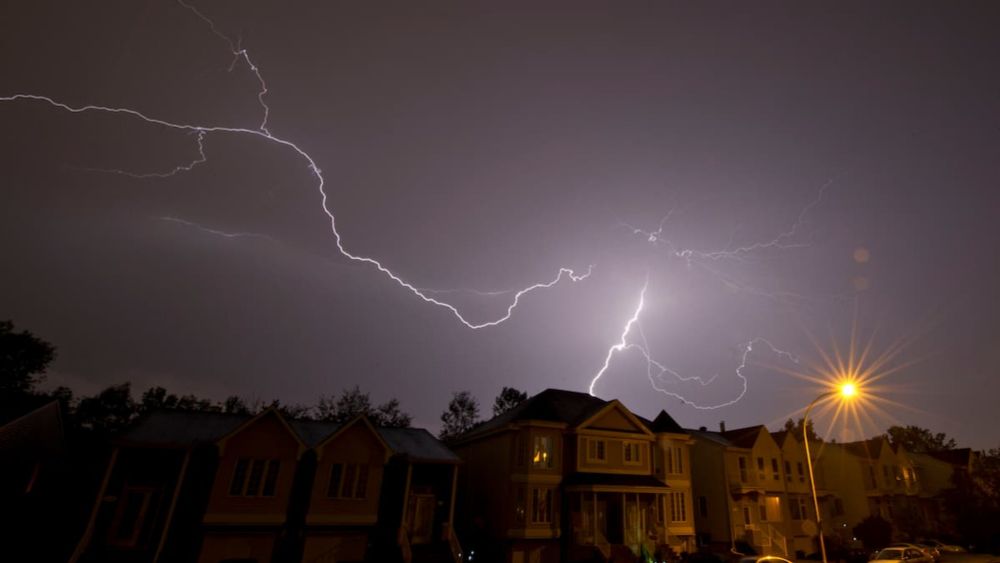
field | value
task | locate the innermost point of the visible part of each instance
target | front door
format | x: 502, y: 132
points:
x: 615, y: 526
x: 422, y: 519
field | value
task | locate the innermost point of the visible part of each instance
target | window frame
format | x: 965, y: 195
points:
x: 595, y: 445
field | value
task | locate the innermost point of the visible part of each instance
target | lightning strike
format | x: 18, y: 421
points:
x: 211, y: 231
x: 262, y: 132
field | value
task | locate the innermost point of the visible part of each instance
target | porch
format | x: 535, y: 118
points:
x: 615, y: 512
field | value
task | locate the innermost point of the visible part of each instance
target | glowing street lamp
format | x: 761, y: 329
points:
x: 847, y: 391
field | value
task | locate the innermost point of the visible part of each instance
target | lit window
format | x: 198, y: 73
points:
x: 542, y: 454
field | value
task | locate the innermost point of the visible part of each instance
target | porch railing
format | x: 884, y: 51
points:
x: 453, y: 544
x: 403, y: 539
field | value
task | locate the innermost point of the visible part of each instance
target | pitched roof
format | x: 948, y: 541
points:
x: 743, y: 437
x: 417, y: 444
x: 552, y: 405
x: 182, y: 428
x: 665, y: 423
x: 40, y: 430
x: 710, y: 436
x: 313, y: 432
x: 961, y: 456
x: 870, y: 448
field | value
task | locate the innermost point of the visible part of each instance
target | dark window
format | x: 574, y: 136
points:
x: 347, y: 489
x: 361, y: 491
x: 703, y: 506
x: 239, y: 477
x: 336, y: 474
x: 134, y: 502
x: 256, y: 475
x: 774, y: 469
x: 271, y: 481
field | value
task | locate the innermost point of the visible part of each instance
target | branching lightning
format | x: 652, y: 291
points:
x: 262, y: 131
x: 632, y: 336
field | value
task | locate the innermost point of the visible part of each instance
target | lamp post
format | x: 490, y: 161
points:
x: 846, y: 391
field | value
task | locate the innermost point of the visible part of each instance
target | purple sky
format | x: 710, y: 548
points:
x: 476, y: 146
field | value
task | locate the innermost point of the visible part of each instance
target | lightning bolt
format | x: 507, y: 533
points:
x: 657, y: 371
x: 215, y: 232
x: 262, y: 132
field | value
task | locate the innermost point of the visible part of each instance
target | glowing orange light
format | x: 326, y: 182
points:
x: 848, y: 390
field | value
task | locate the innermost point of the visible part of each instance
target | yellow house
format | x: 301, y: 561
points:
x: 743, y: 493
x: 565, y: 476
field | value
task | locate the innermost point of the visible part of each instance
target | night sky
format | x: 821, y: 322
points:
x: 851, y: 150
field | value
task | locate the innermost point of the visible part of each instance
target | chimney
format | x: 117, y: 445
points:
x: 722, y: 426
x: 702, y: 429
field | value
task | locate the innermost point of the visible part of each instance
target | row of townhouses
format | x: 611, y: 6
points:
x: 563, y: 476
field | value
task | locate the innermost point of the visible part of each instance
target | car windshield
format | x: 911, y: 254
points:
x: 895, y: 553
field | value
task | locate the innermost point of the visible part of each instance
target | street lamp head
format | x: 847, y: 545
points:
x: 848, y: 390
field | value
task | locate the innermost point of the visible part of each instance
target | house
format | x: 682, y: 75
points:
x: 213, y: 487
x: 565, y: 476
x: 41, y: 481
x: 748, y: 495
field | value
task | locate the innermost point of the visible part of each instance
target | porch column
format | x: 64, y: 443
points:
x: 451, y: 508
x: 173, y: 505
x: 594, y: 507
x: 85, y: 540
x: 406, y: 493
x: 624, y: 517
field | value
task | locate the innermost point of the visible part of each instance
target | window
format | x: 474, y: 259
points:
x: 871, y: 473
x: 802, y: 475
x: 776, y: 473
x: 762, y: 512
x: 760, y: 469
x: 632, y: 452
x: 703, y: 506
x: 254, y: 477
x: 348, y: 480
x: 541, y: 506
x: 885, y: 474
x: 788, y: 470
x: 799, y: 508
x: 678, y: 512
x: 746, y: 515
x: 542, y: 452
x: 130, y: 515
x: 595, y: 450
x: 678, y: 460
x: 743, y: 469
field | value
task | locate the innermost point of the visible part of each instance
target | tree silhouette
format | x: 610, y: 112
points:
x: 508, y: 398
x: 461, y: 415
x: 917, y: 439
x: 23, y: 360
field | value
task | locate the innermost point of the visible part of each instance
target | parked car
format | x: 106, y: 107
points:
x: 941, y: 546
x: 764, y: 559
x: 931, y: 552
x: 899, y: 554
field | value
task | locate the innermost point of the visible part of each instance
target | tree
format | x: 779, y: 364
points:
x: 23, y: 360
x: 353, y: 402
x: 874, y: 532
x: 508, y: 398
x: 796, y: 429
x: 919, y: 440
x: 235, y: 405
x: 109, y: 411
x: 388, y: 414
x: 975, y: 501
x: 461, y: 416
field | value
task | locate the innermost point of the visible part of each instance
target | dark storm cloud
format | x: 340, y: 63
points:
x: 474, y: 146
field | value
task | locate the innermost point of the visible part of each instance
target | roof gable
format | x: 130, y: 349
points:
x: 615, y: 417
x: 269, y: 413
x: 358, y: 421
x: 745, y: 437
x: 665, y: 423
